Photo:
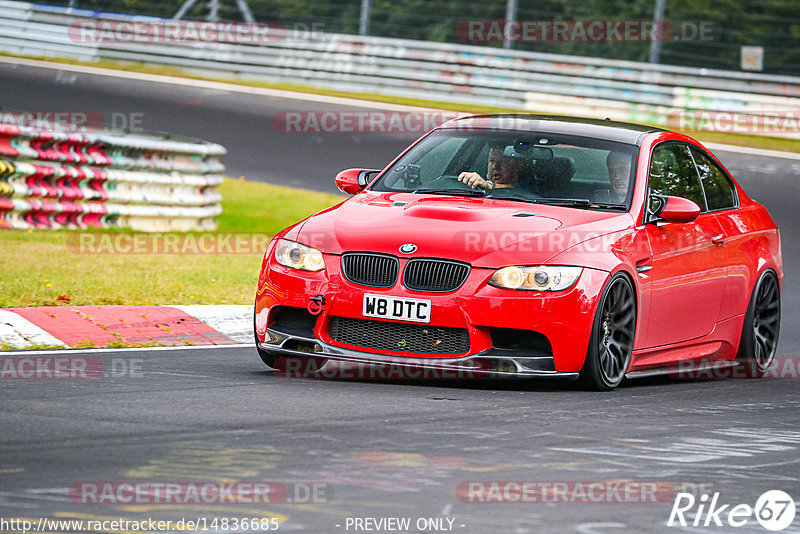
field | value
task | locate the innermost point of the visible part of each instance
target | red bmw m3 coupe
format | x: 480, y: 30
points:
x: 530, y: 246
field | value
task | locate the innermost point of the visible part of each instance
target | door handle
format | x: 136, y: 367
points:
x: 718, y: 239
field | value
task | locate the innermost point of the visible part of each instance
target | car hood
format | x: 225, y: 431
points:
x: 483, y: 232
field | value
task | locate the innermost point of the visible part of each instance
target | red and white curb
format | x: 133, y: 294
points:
x: 101, y: 326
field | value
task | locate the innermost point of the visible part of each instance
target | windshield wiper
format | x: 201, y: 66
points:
x: 583, y: 203
x: 605, y: 205
x: 454, y: 192
x: 580, y: 203
x: 577, y: 202
x: 571, y: 202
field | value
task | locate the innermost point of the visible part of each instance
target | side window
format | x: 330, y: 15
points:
x: 673, y: 173
x: 719, y: 190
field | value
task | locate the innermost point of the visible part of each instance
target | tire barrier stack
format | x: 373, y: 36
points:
x: 457, y: 73
x: 146, y: 182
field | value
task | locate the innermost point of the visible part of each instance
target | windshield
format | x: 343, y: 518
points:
x: 526, y: 166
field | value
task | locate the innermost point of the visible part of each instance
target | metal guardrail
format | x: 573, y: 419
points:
x: 146, y: 182
x: 538, y: 82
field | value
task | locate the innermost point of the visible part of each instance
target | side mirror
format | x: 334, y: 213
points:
x: 351, y: 181
x: 676, y: 209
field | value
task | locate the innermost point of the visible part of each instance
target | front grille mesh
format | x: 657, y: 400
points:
x: 434, y: 275
x: 370, y: 269
x: 400, y: 337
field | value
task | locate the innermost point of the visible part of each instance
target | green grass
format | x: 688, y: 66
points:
x: 257, y: 207
x: 754, y: 141
x: 47, y: 268
x: 8, y: 347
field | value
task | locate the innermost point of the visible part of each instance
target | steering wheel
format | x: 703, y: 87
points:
x: 450, y: 181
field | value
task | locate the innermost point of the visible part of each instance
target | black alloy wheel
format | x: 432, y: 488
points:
x: 762, y: 325
x: 611, y: 343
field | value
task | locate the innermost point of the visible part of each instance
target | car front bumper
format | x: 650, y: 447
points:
x: 308, y: 357
x: 564, y: 318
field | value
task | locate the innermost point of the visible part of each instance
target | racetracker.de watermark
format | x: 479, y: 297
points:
x: 120, y: 524
x: 68, y: 368
x: 392, y: 369
x: 782, y: 122
x: 781, y: 368
x: 72, y: 122
x: 485, y: 241
x: 180, y: 32
x: 564, y: 492
x: 142, y: 243
x: 371, y: 122
x: 582, y: 31
x: 199, y: 493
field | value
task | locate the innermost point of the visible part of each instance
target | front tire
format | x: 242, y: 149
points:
x: 762, y: 324
x: 613, y: 331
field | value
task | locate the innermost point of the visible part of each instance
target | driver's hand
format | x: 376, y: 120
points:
x: 474, y: 180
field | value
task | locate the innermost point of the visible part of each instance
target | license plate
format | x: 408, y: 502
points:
x: 402, y: 309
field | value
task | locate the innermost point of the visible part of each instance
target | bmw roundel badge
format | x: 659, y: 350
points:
x: 408, y: 248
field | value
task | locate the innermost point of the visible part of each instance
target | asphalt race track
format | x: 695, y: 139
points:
x: 346, y: 450
x: 241, y: 123
x: 387, y: 449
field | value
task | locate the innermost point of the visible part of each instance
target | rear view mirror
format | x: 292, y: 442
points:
x: 525, y: 149
x: 351, y: 181
x: 541, y: 152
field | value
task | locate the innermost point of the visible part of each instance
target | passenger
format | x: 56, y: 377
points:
x: 619, y: 173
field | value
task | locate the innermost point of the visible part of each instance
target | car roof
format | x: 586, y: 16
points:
x: 622, y: 132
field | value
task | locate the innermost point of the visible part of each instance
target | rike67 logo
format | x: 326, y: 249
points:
x: 774, y: 510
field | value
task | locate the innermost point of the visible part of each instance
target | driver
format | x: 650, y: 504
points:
x: 503, y: 171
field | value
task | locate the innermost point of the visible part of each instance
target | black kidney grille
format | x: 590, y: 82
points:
x: 434, y: 275
x: 370, y: 269
x: 400, y: 337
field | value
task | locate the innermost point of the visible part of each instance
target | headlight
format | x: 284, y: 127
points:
x: 297, y: 256
x: 538, y: 278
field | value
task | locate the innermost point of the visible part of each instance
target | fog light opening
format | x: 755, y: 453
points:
x: 300, y: 345
x: 504, y: 366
